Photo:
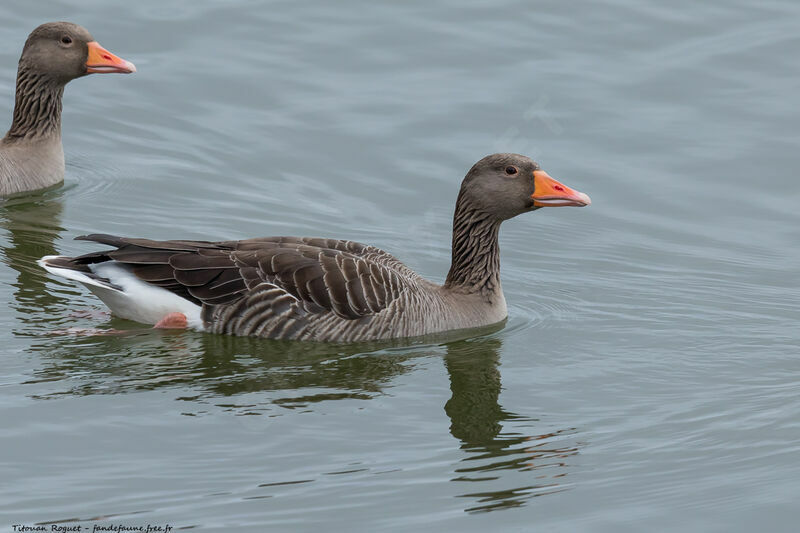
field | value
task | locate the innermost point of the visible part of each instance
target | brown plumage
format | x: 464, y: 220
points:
x: 334, y: 290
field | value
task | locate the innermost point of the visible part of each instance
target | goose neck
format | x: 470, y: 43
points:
x: 475, y: 263
x: 37, y: 107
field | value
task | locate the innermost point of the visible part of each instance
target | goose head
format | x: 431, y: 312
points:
x: 506, y: 185
x: 62, y: 51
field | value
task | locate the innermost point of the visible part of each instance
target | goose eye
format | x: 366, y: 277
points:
x: 66, y: 39
x: 511, y: 170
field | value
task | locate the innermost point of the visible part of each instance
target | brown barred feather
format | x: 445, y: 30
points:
x: 257, y: 282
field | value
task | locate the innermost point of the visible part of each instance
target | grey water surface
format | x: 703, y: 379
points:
x: 648, y: 376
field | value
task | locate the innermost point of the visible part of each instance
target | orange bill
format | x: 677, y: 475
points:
x: 547, y: 192
x: 102, y: 61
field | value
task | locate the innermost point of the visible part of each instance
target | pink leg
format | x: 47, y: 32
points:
x: 172, y: 321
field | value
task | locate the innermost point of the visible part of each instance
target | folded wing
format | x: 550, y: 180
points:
x: 309, y: 275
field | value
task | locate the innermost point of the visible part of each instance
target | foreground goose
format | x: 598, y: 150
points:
x: 321, y: 289
x: 31, y: 156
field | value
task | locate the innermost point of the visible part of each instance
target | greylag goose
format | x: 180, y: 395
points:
x: 31, y: 156
x: 321, y: 289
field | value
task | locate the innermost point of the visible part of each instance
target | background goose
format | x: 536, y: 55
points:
x: 31, y: 156
x: 322, y: 289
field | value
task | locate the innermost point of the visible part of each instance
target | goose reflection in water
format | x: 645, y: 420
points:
x: 491, y: 436
x: 32, y: 225
x: 505, y: 463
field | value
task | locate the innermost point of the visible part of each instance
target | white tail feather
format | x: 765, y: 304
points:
x: 138, y: 300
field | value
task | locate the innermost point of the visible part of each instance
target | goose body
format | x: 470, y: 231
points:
x: 322, y: 289
x: 31, y: 155
x: 32, y: 165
